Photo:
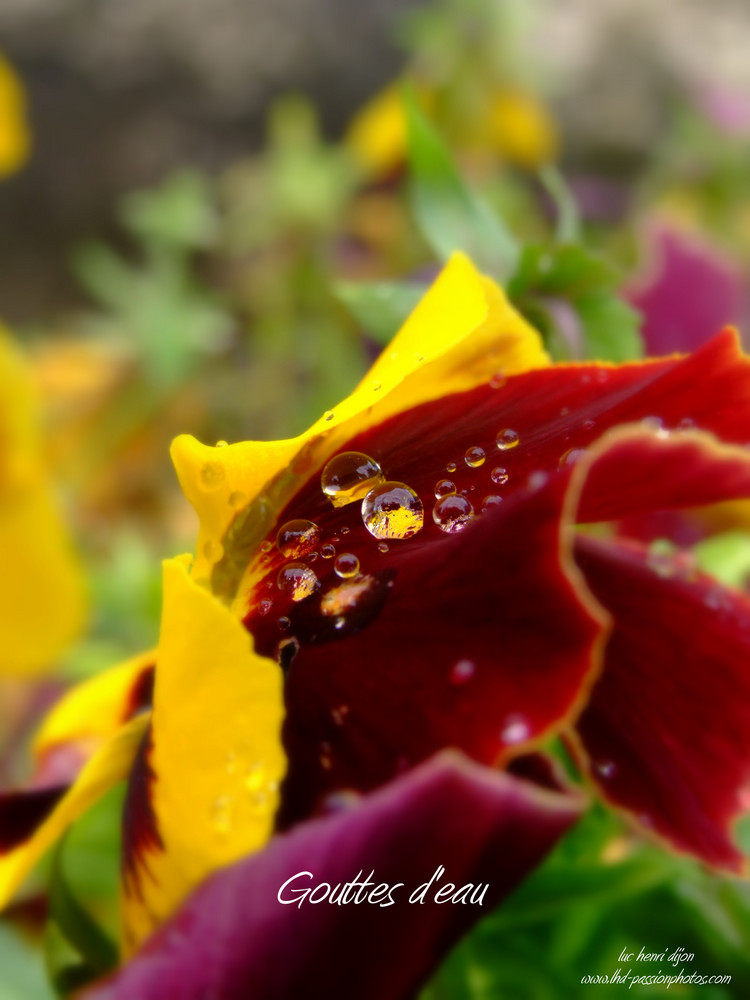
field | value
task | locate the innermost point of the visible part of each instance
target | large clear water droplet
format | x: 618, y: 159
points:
x: 507, y: 439
x: 474, y: 457
x: 350, y: 476
x: 346, y: 565
x: 392, y: 510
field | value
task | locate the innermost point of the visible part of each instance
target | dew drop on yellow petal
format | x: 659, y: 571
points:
x: 350, y: 476
x: 392, y: 510
x: 212, y: 475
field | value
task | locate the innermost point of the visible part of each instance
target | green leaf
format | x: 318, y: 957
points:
x: 22, y: 976
x: 568, y: 282
x: 451, y: 215
x: 726, y: 556
x: 77, y: 949
x: 379, y: 307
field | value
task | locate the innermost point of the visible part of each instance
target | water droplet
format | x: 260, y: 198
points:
x: 499, y: 476
x: 221, y: 814
x: 515, y: 730
x: 328, y: 415
x: 605, y: 768
x: 222, y: 444
x: 266, y: 546
x: 474, y: 457
x: 452, y: 513
x: 687, y: 424
x: 297, y: 580
x: 256, y: 777
x: 264, y: 607
x: 213, y: 551
x: 212, y: 475
x: 498, y: 380
x: 537, y: 480
x: 507, y: 439
x: 588, y: 425
x: 493, y: 500
x: 297, y: 537
x: 564, y: 411
x: 462, y: 671
x: 346, y: 565
x: 383, y: 547
x: 328, y: 551
x: 339, y: 714
x: 451, y: 467
x: 350, y: 476
x: 284, y: 623
x: 392, y: 510
x: 571, y: 456
x: 237, y: 499
x: 444, y: 488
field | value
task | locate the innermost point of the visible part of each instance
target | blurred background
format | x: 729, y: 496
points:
x: 209, y: 223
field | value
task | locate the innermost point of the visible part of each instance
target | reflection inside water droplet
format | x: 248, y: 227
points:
x: 350, y: 476
x: 452, y: 513
x: 393, y: 511
x: 297, y: 580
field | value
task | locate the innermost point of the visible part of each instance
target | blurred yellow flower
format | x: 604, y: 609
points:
x: 15, y: 137
x: 42, y: 603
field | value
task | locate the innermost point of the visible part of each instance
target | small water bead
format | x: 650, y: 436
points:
x: 493, y: 500
x: 452, y: 513
x: 515, y: 730
x: 571, y: 456
x: 498, y: 380
x: 213, y: 551
x: 499, y: 476
x: 588, y: 425
x: 507, y: 439
x: 605, y: 768
x: 237, y: 499
x: 474, y: 457
x: 444, y: 488
x: 328, y: 551
x: 266, y: 546
x: 383, y: 547
x: 297, y: 580
x: 350, y: 476
x: 451, y: 467
x: 212, y: 475
x: 222, y: 444
x: 461, y: 672
x: 346, y: 565
x: 339, y: 714
x: 537, y: 480
x: 687, y: 424
x: 284, y: 623
x: 392, y: 510
x: 264, y: 607
x: 297, y: 537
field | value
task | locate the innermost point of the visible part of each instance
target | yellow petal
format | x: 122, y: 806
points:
x: 462, y: 331
x: 15, y: 137
x: 522, y: 130
x: 215, y: 754
x: 376, y: 136
x: 42, y: 592
x: 90, y: 712
x: 110, y: 764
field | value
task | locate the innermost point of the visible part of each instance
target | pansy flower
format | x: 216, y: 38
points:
x: 408, y: 577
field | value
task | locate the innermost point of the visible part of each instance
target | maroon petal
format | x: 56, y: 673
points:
x: 666, y: 728
x: 233, y: 939
x: 482, y: 643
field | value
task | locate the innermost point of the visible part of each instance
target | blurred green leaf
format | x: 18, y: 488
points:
x: 77, y: 950
x: 450, y: 215
x: 380, y: 307
x: 570, y: 295
x: 179, y: 213
x: 21, y: 972
x: 726, y: 556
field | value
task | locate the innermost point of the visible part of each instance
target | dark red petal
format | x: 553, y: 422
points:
x: 667, y: 727
x: 641, y: 473
x: 233, y: 939
x: 483, y: 643
x: 689, y: 291
x: 23, y: 811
